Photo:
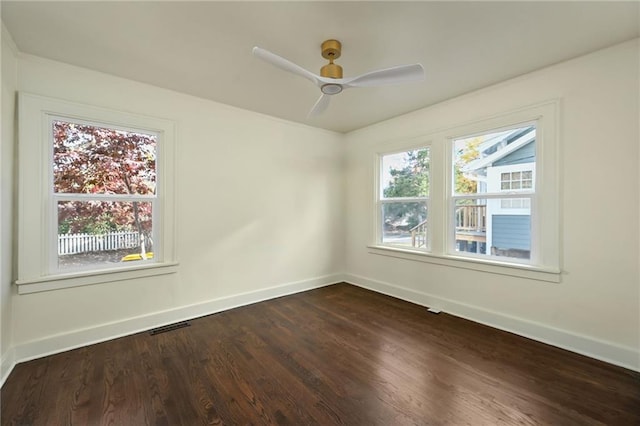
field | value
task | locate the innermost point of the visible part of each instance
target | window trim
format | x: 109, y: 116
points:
x: 546, y: 236
x: 35, y: 193
x: 551, y: 275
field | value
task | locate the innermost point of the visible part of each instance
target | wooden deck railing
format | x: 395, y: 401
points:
x: 469, y: 218
x: 419, y: 234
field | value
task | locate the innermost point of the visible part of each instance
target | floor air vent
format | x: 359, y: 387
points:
x: 169, y: 327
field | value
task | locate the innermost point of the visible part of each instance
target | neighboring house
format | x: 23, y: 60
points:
x: 506, y: 164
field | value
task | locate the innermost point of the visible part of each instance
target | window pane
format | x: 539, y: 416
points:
x: 98, y: 233
x: 405, y: 174
x: 493, y: 227
x: 98, y: 160
x: 405, y: 224
x: 493, y: 162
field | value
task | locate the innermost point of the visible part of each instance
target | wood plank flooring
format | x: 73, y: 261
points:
x: 336, y: 355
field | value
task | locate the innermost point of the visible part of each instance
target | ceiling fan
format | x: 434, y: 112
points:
x: 330, y: 80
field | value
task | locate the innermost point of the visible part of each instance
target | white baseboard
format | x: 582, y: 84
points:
x: 594, y: 348
x: 88, y: 336
x: 7, y: 362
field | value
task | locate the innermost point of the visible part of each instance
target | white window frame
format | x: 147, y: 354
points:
x: 54, y: 198
x: 498, y: 194
x: 381, y: 200
x: 545, y: 204
x: 37, y: 207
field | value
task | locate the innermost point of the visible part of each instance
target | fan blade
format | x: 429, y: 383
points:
x: 395, y: 75
x: 284, y: 64
x: 321, y: 104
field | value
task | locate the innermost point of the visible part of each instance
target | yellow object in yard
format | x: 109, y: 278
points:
x: 136, y: 256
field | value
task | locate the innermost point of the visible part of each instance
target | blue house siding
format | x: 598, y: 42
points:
x: 526, y: 154
x: 511, y: 232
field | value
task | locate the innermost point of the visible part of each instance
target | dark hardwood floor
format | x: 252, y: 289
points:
x: 336, y: 355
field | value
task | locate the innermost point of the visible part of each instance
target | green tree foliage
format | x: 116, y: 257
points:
x: 94, y: 160
x: 412, y: 180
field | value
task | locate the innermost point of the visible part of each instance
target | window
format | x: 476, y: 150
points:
x: 103, y: 195
x: 490, y: 189
x: 403, y: 198
x: 492, y: 193
x: 96, y: 195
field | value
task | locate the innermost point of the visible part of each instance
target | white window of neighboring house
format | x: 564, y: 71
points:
x: 511, y: 181
x: 492, y: 196
x: 96, y: 195
x: 403, y: 198
x: 516, y: 180
x: 516, y: 203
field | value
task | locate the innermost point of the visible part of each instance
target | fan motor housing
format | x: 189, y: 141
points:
x: 331, y: 71
x: 331, y: 50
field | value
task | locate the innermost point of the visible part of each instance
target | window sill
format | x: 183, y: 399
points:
x: 61, y: 281
x: 489, y: 266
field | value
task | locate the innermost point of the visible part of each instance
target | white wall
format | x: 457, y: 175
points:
x: 262, y: 205
x: 595, y: 309
x: 259, y: 206
x: 9, y: 86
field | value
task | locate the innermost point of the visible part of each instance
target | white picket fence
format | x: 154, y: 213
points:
x: 83, y: 243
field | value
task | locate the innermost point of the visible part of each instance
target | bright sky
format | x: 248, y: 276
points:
x: 393, y: 161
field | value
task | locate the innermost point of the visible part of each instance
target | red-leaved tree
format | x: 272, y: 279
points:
x: 98, y: 161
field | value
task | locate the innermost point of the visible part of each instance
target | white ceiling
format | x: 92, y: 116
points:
x: 204, y: 48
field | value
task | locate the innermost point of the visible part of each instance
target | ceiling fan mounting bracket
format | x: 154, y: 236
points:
x: 331, y: 49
